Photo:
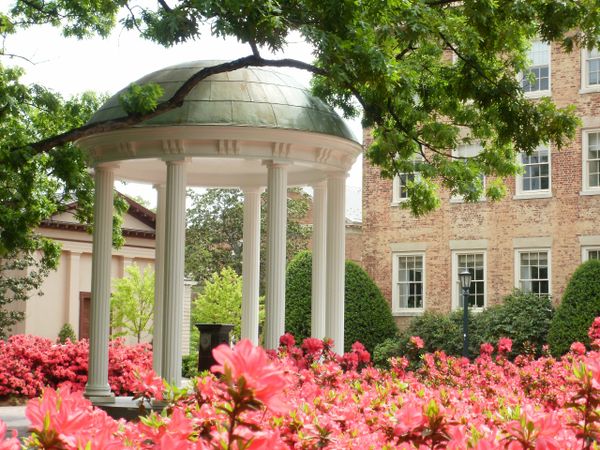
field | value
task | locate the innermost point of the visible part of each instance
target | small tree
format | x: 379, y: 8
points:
x: 220, y: 302
x: 132, y: 303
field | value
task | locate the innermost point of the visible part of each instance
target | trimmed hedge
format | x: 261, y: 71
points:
x: 579, y: 306
x: 367, y: 315
x: 525, y: 318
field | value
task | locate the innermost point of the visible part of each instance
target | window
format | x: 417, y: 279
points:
x: 468, y: 151
x: 590, y: 70
x: 409, y: 283
x: 475, y: 263
x: 536, y: 78
x: 535, y: 179
x: 400, y: 182
x: 400, y: 193
x: 591, y: 253
x: 534, y: 271
x: 591, y: 161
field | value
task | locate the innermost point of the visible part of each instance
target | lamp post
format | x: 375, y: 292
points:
x: 465, y: 283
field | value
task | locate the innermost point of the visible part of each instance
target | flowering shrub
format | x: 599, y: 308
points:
x: 307, y: 397
x: 30, y: 363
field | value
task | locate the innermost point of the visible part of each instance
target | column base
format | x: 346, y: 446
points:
x: 99, y: 395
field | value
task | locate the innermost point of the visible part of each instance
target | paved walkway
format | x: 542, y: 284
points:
x: 14, y: 417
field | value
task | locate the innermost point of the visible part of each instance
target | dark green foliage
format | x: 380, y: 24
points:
x: 298, y: 283
x: 390, y: 348
x: 189, y: 365
x: 445, y: 332
x: 579, y: 306
x: 523, y: 317
x: 367, y: 316
x: 66, y: 332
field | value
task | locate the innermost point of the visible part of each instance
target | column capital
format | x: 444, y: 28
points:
x: 176, y: 159
x: 158, y: 186
x: 319, y: 185
x: 252, y: 189
x: 276, y: 163
x: 106, y: 167
x: 337, y: 175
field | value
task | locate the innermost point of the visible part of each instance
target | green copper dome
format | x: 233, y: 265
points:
x: 250, y: 97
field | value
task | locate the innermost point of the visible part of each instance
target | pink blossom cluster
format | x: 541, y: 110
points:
x: 28, y: 364
x: 307, y: 397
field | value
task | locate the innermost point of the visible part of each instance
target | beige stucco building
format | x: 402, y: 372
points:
x: 67, y: 290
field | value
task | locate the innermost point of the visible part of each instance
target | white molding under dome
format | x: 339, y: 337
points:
x: 223, y: 156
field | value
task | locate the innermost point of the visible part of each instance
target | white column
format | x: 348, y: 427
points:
x: 174, y: 272
x: 276, y: 249
x: 97, y: 387
x: 336, y: 243
x: 159, y: 277
x: 72, y: 315
x: 319, y: 240
x: 251, y: 263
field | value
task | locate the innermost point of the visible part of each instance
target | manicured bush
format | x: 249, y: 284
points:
x: 579, y: 305
x: 525, y: 318
x: 66, y: 332
x: 367, y: 315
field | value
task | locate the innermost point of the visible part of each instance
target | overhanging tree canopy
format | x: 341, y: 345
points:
x: 391, y: 60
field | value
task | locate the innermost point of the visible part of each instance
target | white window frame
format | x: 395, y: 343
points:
x: 517, y: 265
x: 456, y: 290
x: 546, y: 92
x: 538, y: 193
x: 585, y: 87
x: 396, y: 310
x: 585, y: 178
x: 396, y: 187
x: 456, y: 153
x: 585, y: 252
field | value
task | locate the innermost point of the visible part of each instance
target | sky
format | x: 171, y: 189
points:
x: 70, y: 66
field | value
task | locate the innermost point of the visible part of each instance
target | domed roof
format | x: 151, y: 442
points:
x: 250, y: 97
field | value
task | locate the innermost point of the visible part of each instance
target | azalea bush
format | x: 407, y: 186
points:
x: 29, y: 364
x: 306, y: 397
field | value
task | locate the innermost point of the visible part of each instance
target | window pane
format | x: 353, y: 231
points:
x: 410, y: 281
x: 473, y: 262
x: 536, y: 170
x: 534, y: 273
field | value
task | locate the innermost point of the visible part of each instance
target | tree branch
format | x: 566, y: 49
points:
x: 175, y: 101
x: 164, y: 5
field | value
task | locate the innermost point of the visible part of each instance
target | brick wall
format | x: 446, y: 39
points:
x: 562, y: 219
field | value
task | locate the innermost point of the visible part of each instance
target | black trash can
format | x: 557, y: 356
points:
x: 211, y: 335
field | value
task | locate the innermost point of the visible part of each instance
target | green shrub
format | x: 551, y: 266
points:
x: 189, y: 365
x: 391, y: 347
x: 444, y: 332
x: 525, y: 318
x: 579, y: 306
x: 367, y: 316
x: 66, y: 332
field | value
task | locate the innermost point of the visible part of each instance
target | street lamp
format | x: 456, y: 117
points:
x: 465, y: 284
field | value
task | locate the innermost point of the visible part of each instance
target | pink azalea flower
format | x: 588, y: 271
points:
x: 287, y: 340
x: 417, y: 342
x: 504, y: 345
x: 578, y: 348
x: 252, y: 363
x: 486, y: 348
x: 312, y: 346
x: 7, y: 443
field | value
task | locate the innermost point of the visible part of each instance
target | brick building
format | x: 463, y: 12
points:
x: 533, y: 239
